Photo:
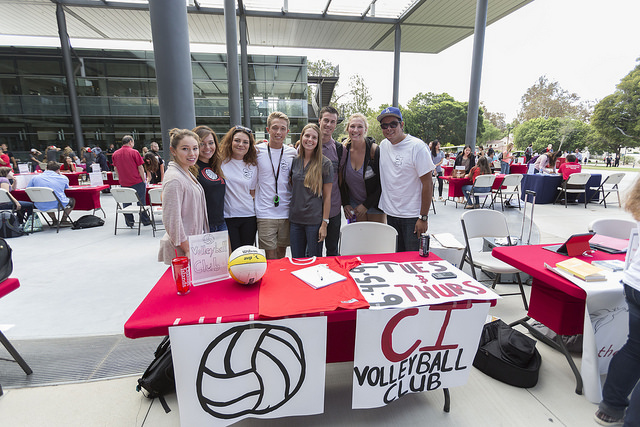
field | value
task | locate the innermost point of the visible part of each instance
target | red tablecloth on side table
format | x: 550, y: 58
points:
x: 455, y: 184
x: 87, y: 197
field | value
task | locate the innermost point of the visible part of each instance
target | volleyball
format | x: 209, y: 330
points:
x: 250, y: 369
x: 247, y: 265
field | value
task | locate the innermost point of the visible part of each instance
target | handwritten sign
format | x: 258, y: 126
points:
x: 411, y: 284
x: 414, y: 350
x: 209, y: 257
x: 23, y: 167
x: 231, y: 371
x: 96, y: 178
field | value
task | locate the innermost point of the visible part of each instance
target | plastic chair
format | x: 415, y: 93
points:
x: 483, y: 181
x: 579, y: 182
x: 5, y: 198
x: 124, y: 195
x: 44, y: 195
x: 361, y: 238
x: 618, y: 228
x: 512, y: 184
x: 155, y: 201
x: 613, y: 180
x: 492, y: 224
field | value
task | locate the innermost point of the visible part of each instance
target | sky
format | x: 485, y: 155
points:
x: 587, y: 46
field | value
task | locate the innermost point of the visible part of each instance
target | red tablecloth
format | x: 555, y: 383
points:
x: 111, y: 180
x: 554, y: 301
x: 8, y: 285
x: 446, y: 170
x: 73, y: 176
x: 517, y: 168
x: 228, y: 301
x: 455, y: 184
x: 87, y: 197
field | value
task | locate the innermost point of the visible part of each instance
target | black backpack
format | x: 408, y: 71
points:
x: 9, y: 225
x: 6, y: 264
x: 159, y: 379
x: 87, y: 221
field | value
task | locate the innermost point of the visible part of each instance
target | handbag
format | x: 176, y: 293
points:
x: 159, y: 379
x: 508, y: 355
x: 9, y: 225
x: 37, y: 224
x: 6, y: 264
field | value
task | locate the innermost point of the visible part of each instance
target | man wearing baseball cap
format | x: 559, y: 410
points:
x: 405, y: 175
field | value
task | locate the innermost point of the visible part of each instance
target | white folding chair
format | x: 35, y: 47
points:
x: 611, y: 182
x: 481, y: 182
x: 44, y: 195
x: 576, y: 184
x: 155, y: 202
x: 124, y: 195
x: 360, y: 238
x: 482, y: 223
x: 5, y: 198
x: 613, y: 227
x: 511, y: 183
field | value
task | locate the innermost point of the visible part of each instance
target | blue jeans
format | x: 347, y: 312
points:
x: 504, y: 167
x: 466, y: 189
x: 304, y: 240
x: 407, y: 239
x: 333, y: 233
x: 624, y: 370
x: 218, y: 227
x: 141, y: 189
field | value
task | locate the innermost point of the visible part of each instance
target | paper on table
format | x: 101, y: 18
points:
x: 447, y: 240
x: 318, y: 276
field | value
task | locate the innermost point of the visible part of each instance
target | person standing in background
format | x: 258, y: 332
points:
x: 327, y: 122
x: 437, y: 156
x: 127, y: 163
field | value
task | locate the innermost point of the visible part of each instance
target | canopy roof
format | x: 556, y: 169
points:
x: 428, y: 26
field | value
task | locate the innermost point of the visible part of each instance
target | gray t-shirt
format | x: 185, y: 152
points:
x: 306, y: 206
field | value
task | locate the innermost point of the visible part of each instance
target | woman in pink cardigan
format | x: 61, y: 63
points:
x: 184, y: 208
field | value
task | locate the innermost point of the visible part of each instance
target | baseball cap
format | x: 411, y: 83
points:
x: 390, y: 111
x: 33, y: 150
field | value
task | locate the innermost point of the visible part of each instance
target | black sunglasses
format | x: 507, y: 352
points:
x: 244, y: 129
x: 391, y: 125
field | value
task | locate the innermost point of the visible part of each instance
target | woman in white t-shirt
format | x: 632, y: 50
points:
x: 239, y: 160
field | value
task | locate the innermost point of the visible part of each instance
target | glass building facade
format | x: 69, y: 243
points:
x: 117, y: 95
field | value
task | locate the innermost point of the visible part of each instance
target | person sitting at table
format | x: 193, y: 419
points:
x: 152, y: 169
x: 239, y: 168
x: 51, y: 178
x: 437, y: 156
x: 482, y: 168
x: 23, y: 209
x: 211, y: 178
x: 567, y: 169
x: 68, y: 165
x: 311, y: 179
x: 466, y: 158
x: 184, y: 208
x: 624, y: 368
x: 359, y: 173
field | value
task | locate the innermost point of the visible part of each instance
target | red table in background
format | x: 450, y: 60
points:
x: 518, y: 168
x: 74, y: 177
x: 455, y: 184
x: 446, y: 170
x: 111, y: 180
x: 87, y: 197
x: 228, y: 301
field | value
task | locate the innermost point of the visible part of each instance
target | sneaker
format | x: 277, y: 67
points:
x: 606, y: 420
x: 469, y: 207
x: 441, y: 199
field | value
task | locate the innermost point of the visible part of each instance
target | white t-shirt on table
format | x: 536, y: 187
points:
x: 240, y: 179
x: 267, y: 169
x: 401, y: 166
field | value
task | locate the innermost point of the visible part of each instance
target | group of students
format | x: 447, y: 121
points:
x: 283, y: 193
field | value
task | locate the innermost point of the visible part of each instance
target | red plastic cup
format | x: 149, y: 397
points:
x: 181, y: 274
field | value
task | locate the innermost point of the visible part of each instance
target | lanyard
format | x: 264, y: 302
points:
x: 276, y: 199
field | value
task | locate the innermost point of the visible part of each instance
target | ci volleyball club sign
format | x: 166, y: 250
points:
x: 227, y: 372
x: 416, y: 349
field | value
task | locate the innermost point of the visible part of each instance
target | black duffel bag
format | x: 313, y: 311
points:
x: 508, y: 355
x: 87, y: 221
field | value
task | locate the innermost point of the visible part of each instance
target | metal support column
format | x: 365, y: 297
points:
x: 476, y: 73
x: 246, y: 105
x: 232, y: 61
x: 396, y: 66
x: 173, y: 67
x: 65, y: 44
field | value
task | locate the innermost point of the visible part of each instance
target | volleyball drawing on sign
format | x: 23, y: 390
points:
x: 262, y: 380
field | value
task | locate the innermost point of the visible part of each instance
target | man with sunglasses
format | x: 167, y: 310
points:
x: 405, y: 175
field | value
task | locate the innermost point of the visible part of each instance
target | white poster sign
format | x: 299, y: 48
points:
x: 209, y: 257
x: 413, y: 350
x: 231, y: 371
x: 411, y: 284
x: 96, y: 178
x: 23, y: 168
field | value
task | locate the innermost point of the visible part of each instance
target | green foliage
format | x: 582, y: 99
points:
x: 491, y: 133
x: 359, y: 97
x: 563, y: 134
x: 432, y: 116
x: 617, y: 116
x: 547, y: 99
x: 499, y: 120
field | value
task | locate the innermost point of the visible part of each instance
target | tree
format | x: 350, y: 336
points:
x: 617, y: 116
x: 499, y: 120
x: 318, y: 69
x: 491, y: 133
x: 359, y: 97
x: 562, y: 133
x: 547, y: 99
x: 432, y: 116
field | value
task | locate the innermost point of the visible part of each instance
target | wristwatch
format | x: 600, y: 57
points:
x: 424, y: 217
x: 326, y: 220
